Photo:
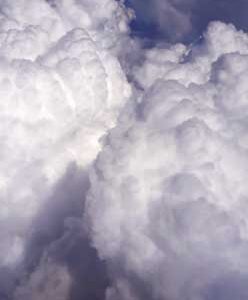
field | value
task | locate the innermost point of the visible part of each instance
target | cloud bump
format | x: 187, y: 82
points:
x: 168, y: 191
x: 123, y: 170
x: 62, y: 88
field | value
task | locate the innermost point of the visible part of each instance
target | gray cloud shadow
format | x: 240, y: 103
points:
x: 57, y: 233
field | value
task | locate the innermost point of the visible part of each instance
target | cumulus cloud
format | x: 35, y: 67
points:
x: 62, y: 88
x: 168, y: 199
x: 115, y: 188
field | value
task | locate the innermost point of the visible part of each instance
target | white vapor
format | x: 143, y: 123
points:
x: 168, y: 202
x: 123, y: 170
x: 61, y: 89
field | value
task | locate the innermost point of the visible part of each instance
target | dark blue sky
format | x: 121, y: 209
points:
x: 149, y: 14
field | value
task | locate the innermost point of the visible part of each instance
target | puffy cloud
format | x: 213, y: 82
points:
x: 192, y: 64
x: 61, y: 89
x: 168, y: 199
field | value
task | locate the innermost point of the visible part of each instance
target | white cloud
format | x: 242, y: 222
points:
x: 168, y: 200
x: 167, y: 205
x: 61, y: 88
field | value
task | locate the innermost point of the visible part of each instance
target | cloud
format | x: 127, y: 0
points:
x: 167, y: 204
x: 59, y: 261
x: 62, y: 88
x: 123, y: 170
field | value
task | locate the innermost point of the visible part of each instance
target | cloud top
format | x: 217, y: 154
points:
x: 167, y: 204
x: 61, y: 88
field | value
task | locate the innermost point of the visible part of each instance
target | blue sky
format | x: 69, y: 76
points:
x: 148, y: 23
